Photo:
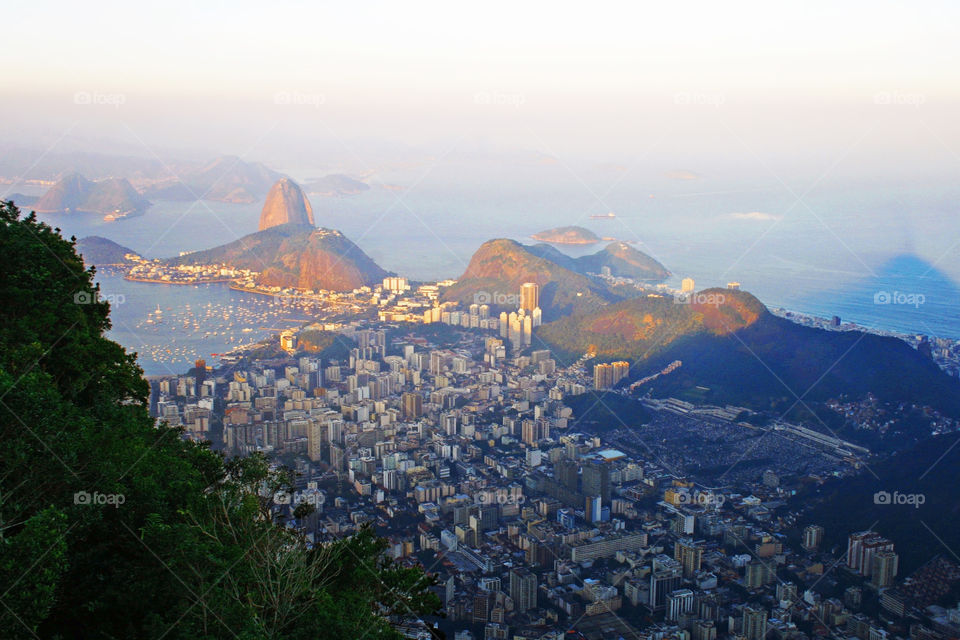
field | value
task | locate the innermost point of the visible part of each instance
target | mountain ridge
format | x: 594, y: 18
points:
x: 295, y: 256
x: 285, y: 204
x: 74, y: 193
x: 737, y: 352
x: 500, y: 266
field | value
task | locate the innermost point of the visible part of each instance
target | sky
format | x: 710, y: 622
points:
x: 598, y: 78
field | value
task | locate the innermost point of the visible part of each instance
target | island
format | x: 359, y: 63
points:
x: 567, y: 235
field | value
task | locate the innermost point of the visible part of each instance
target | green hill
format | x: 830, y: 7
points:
x: 298, y: 256
x: 499, y: 268
x: 928, y: 468
x: 97, y: 250
x: 622, y: 260
x: 731, y: 345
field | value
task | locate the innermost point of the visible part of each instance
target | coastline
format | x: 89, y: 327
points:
x: 176, y: 282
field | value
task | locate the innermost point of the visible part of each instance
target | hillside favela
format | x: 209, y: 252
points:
x: 501, y: 322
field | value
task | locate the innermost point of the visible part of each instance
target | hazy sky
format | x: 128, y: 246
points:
x: 584, y: 76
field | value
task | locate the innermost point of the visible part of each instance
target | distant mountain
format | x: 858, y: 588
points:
x: 622, y: 259
x: 286, y: 204
x: 567, y: 235
x: 68, y: 194
x: 75, y: 193
x: 499, y: 267
x: 41, y: 163
x: 96, y: 250
x: 292, y: 255
x: 226, y: 179
x: 21, y: 200
x: 734, y: 350
x: 115, y: 195
x: 335, y: 184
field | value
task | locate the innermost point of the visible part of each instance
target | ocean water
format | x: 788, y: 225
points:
x: 881, y: 254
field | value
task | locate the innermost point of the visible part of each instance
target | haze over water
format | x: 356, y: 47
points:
x: 832, y: 255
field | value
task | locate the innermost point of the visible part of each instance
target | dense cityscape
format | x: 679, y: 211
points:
x: 499, y: 321
x: 457, y: 446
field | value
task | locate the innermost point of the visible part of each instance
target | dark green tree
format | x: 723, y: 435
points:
x: 113, y: 527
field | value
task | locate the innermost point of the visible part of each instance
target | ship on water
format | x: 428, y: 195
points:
x: 603, y: 216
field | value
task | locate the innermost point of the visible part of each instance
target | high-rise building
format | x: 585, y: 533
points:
x: 679, y: 602
x: 529, y: 296
x: 690, y: 555
x: 596, y: 479
x: 523, y: 589
x: 884, y: 570
x: 812, y: 537
x: 316, y: 440
x: 862, y: 547
x: 593, y: 509
x: 665, y: 577
x: 514, y: 328
x: 754, y: 623
x: 786, y: 594
x: 200, y: 373
x: 337, y: 459
x: 412, y: 406
x: 605, y: 376
x: 757, y: 574
x: 704, y: 630
x: 481, y: 607
x: 566, y: 472
x: 395, y: 284
x: 686, y: 285
x: 566, y: 518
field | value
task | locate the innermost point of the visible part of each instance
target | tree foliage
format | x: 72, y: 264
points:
x: 112, y: 527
